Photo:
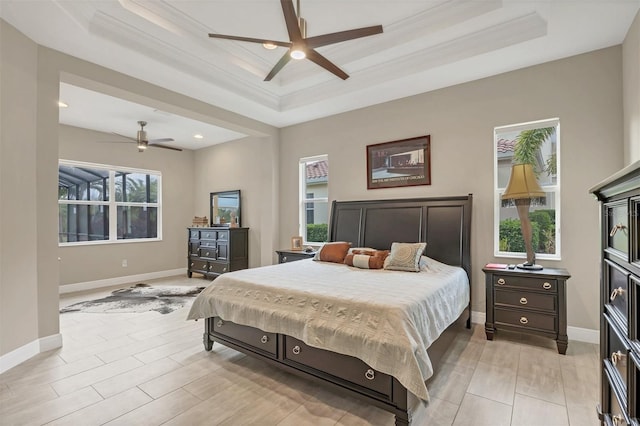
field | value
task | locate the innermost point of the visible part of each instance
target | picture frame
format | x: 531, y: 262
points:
x: 296, y: 243
x: 405, y: 162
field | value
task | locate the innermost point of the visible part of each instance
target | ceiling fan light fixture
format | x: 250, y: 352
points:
x: 62, y: 104
x: 269, y: 46
x: 198, y: 136
x: 297, y: 54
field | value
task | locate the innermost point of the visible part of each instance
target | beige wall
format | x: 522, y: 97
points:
x: 583, y: 91
x: 95, y: 262
x: 19, y: 303
x: 250, y: 165
x: 631, y: 92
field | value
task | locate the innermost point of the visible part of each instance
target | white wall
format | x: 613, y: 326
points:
x: 585, y: 92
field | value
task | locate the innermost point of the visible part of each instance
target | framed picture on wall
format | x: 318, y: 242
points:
x: 405, y: 162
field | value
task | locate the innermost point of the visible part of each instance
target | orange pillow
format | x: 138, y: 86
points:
x: 333, y: 252
x: 366, y: 259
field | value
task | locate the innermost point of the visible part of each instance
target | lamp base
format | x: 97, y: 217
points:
x: 530, y: 266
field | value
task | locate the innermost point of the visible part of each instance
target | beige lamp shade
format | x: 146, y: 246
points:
x: 523, y: 185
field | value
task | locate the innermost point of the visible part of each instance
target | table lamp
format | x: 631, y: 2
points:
x: 522, y: 191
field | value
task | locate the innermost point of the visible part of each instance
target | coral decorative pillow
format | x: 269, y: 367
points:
x: 405, y: 257
x: 333, y: 252
x: 366, y: 259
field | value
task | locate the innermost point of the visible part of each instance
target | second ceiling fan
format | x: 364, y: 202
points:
x: 300, y: 46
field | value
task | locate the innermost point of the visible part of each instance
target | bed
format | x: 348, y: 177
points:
x: 364, y: 332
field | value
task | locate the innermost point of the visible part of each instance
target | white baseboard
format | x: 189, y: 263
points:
x: 574, y: 333
x: 110, y: 282
x: 31, y: 349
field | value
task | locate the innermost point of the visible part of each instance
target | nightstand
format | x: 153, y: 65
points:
x: 285, y: 256
x: 529, y: 302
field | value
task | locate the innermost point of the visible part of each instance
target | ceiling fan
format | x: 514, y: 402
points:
x: 300, y: 46
x: 142, y: 141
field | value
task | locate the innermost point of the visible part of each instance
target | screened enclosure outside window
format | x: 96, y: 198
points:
x: 314, y: 201
x: 536, y: 143
x: 100, y: 203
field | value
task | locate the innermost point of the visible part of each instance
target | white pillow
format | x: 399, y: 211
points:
x: 405, y: 257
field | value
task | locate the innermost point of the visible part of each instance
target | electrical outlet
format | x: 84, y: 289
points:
x: 124, y: 263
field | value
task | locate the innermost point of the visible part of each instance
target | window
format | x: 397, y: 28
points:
x: 100, y: 203
x: 314, y: 199
x: 536, y: 143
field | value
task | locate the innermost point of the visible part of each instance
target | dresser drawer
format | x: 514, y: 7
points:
x: 616, y: 401
x: 198, y: 265
x: 526, y: 320
x: 528, y: 283
x: 194, y: 234
x: 249, y: 337
x: 617, y: 353
x: 207, y: 252
x: 524, y: 299
x: 617, y: 291
x: 617, y: 224
x: 218, y: 267
x: 346, y: 367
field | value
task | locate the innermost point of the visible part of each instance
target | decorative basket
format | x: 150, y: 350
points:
x: 200, y: 221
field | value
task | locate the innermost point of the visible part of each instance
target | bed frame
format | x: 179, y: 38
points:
x: 444, y: 223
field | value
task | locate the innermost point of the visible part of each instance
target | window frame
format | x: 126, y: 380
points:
x: 554, y: 189
x: 113, y: 205
x: 303, y: 200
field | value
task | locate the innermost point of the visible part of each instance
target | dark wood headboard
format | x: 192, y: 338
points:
x: 444, y: 223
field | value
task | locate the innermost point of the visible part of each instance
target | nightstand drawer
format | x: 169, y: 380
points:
x: 524, y: 299
x: 526, y: 320
x: 526, y: 283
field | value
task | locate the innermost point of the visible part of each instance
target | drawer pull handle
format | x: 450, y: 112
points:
x: 615, y: 229
x: 220, y: 323
x: 264, y: 339
x: 207, y: 254
x: 616, y: 292
x: 370, y: 374
x: 546, y: 286
x: 523, y: 320
x: 523, y: 301
x: 224, y: 269
x: 296, y: 350
x: 617, y: 420
x: 284, y: 259
x: 192, y: 264
x: 616, y: 357
x: 210, y: 266
x: 501, y: 281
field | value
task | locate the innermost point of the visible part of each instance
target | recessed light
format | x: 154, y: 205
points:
x: 63, y: 104
x: 269, y: 46
x: 198, y: 136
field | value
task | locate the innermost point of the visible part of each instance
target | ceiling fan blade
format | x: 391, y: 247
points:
x: 325, y: 39
x: 276, y: 69
x: 160, y: 140
x: 165, y: 147
x: 314, y: 56
x: 291, y: 19
x: 251, y: 40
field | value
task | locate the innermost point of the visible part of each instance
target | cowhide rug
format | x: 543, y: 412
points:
x: 139, y: 298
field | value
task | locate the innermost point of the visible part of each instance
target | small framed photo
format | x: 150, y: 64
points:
x: 406, y: 162
x: 296, y: 243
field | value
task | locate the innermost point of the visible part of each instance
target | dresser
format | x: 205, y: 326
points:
x: 527, y: 301
x: 619, y: 197
x: 214, y: 251
x: 285, y: 256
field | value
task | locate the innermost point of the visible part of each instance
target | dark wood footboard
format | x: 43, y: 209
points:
x: 342, y: 372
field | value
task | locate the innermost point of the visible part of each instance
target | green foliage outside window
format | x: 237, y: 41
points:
x: 317, y: 232
x: 543, y: 230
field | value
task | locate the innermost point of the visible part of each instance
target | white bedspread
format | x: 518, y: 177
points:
x: 387, y: 319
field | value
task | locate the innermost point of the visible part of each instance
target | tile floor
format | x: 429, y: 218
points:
x: 151, y: 369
